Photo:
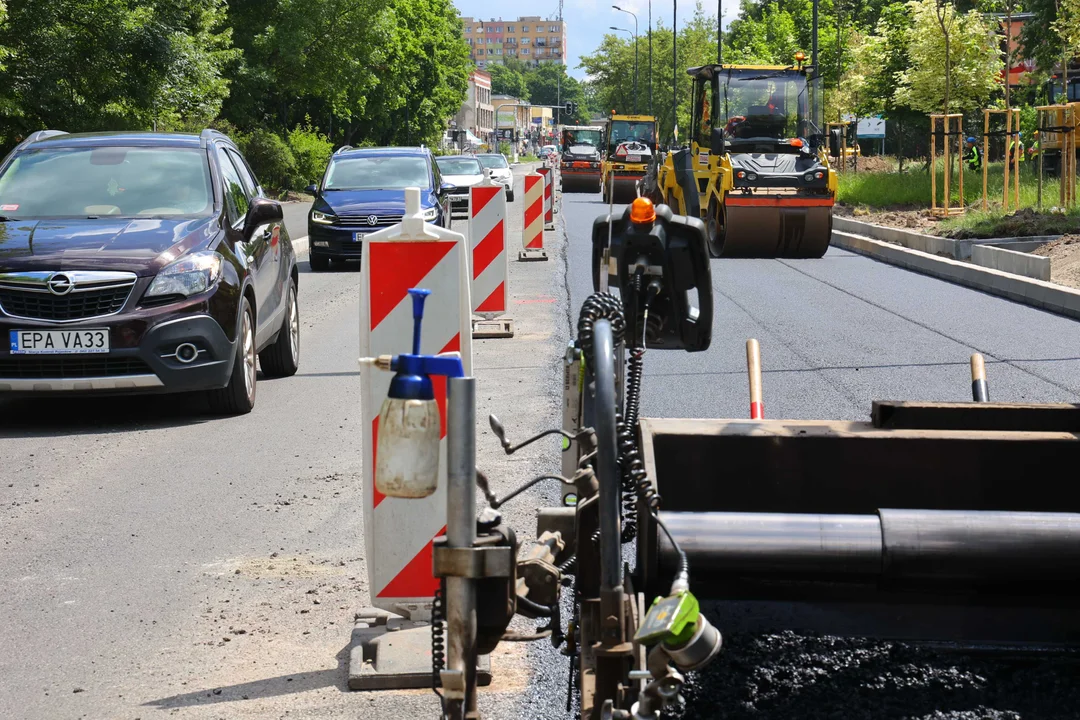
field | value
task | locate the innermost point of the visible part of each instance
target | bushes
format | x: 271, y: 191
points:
x: 271, y: 159
x: 312, y: 151
x: 286, y: 164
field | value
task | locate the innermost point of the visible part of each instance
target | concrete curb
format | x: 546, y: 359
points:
x: 1036, y: 293
x: 933, y: 244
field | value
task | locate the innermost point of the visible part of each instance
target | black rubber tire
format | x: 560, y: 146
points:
x: 510, y: 196
x: 319, y: 263
x: 237, y: 398
x: 713, y: 231
x: 281, y: 358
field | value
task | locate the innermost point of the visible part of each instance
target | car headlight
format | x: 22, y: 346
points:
x: 189, y: 275
x: 431, y: 213
x: 322, y: 218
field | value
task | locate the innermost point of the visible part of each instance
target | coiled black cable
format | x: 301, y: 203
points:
x: 599, y: 306
x: 438, y: 640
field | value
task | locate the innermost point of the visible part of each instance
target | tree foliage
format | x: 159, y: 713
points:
x: 379, y: 71
x: 962, y: 78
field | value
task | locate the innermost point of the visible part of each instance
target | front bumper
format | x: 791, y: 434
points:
x: 336, y: 241
x: 142, y: 356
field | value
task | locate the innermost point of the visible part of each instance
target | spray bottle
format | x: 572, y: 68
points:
x: 407, y: 456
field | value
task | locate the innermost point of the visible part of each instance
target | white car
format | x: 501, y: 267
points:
x: 461, y: 171
x: 499, y: 168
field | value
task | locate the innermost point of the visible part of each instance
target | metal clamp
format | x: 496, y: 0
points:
x: 474, y: 563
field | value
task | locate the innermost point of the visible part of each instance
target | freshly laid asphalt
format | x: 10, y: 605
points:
x: 158, y: 560
x: 839, y: 332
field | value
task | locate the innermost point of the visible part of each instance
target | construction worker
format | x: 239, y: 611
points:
x: 1017, y: 145
x: 972, y: 156
x: 1033, y: 151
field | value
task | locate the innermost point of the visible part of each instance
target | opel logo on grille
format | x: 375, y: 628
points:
x: 372, y: 219
x: 60, y: 284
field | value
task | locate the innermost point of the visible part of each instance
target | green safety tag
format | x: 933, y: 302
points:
x: 671, y: 619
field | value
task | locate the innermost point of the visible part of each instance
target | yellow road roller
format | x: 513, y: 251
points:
x: 757, y: 169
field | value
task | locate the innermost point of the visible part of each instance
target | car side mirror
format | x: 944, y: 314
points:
x: 312, y: 189
x: 262, y: 212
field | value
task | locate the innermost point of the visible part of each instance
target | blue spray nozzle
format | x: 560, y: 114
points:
x: 419, y: 295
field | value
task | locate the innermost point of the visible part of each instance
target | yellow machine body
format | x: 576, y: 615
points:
x: 757, y: 170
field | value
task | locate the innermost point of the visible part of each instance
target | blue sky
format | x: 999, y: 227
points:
x: 588, y: 20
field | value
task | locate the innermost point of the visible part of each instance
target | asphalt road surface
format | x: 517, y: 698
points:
x: 840, y: 332
x: 161, y: 561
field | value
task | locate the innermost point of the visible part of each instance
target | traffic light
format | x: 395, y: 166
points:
x: 571, y: 107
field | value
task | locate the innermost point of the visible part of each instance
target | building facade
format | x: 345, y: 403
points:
x: 477, y: 114
x: 531, y: 39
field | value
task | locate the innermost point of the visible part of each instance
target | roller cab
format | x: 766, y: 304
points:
x: 581, y: 149
x: 934, y: 521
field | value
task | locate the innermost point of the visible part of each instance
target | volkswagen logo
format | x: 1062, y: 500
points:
x: 60, y: 284
x: 372, y: 219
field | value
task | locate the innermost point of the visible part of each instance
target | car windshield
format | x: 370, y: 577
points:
x: 757, y: 105
x: 380, y: 172
x: 643, y: 131
x: 107, y: 180
x: 492, y: 162
x: 459, y: 166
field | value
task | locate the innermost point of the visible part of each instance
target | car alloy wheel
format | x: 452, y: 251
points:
x: 294, y: 326
x: 247, y: 338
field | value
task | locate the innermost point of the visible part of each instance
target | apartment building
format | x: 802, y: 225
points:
x: 531, y: 39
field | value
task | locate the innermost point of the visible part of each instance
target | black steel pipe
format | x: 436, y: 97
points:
x: 776, y: 542
x: 894, y: 548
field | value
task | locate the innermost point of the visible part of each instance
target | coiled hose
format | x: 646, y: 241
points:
x: 605, y: 306
x: 438, y: 640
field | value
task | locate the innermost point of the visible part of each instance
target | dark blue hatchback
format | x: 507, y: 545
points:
x: 363, y: 190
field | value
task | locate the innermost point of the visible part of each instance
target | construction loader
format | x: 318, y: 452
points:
x: 631, y: 146
x: 580, y: 167
x: 757, y: 170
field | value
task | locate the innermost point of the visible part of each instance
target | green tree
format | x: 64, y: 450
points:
x: 955, y: 59
x: 111, y: 64
x: 509, y: 79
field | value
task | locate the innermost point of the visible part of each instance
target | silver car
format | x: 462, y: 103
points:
x: 499, y: 169
x: 461, y: 171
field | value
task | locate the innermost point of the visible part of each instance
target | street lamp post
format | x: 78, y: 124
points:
x: 635, y: 49
x: 635, y: 62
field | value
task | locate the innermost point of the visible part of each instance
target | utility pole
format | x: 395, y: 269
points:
x: 635, y: 53
x: 674, y: 69
x: 720, y: 32
x: 619, y: 29
x: 813, y: 42
x: 558, y: 80
x: 650, y: 60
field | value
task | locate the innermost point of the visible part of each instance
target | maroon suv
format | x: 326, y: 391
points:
x: 142, y: 262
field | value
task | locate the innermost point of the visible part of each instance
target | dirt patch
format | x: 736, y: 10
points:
x: 918, y: 220
x: 1064, y: 254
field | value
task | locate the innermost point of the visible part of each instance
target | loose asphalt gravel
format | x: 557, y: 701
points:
x: 158, y: 560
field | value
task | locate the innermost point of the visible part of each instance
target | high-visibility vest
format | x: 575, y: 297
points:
x: 1012, y: 147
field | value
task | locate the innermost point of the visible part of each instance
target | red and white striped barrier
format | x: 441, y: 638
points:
x: 549, y: 202
x: 532, y: 235
x: 398, y: 532
x: 490, y: 267
x: 487, y: 240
